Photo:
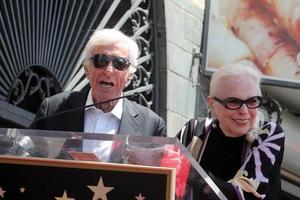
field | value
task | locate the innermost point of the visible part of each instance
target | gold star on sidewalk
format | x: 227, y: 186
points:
x: 64, y: 197
x: 22, y: 189
x: 2, y: 192
x: 99, y: 190
x: 140, y: 197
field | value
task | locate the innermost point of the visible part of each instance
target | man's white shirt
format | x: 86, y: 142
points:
x: 96, y: 121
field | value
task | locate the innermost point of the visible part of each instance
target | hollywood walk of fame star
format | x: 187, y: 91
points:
x: 64, y: 197
x: 22, y: 189
x: 99, y: 190
x: 140, y: 197
x: 2, y: 192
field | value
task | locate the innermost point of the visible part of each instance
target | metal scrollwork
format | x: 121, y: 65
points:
x: 143, y: 34
x: 273, y: 110
x: 32, y: 81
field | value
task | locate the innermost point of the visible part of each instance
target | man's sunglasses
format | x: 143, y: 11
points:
x: 234, y: 103
x: 102, y: 60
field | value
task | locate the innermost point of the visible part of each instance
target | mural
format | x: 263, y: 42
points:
x: 263, y: 34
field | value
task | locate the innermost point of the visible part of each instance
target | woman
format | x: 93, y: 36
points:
x: 239, y: 151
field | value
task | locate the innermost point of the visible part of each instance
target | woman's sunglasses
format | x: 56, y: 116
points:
x: 233, y: 103
x: 102, y: 60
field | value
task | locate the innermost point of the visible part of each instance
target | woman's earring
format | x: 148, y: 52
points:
x: 214, y: 122
x: 209, y: 115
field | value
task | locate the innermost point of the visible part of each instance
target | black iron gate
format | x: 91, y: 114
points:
x: 41, y: 45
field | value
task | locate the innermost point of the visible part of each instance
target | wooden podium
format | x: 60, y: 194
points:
x: 51, y: 165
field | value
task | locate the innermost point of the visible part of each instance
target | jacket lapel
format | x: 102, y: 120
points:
x: 130, y: 119
x: 129, y: 126
x: 75, y: 119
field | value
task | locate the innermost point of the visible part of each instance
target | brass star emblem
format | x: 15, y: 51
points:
x: 64, y: 197
x: 2, y: 192
x: 140, y: 197
x: 100, y: 191
x: 22, y: 189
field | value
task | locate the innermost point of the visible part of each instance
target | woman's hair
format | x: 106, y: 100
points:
x: 233, y: 70
x: 113, y: 36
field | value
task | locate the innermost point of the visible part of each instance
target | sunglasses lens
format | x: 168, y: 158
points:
x: 233, y: 103
x: 100, y: 60
x: 120, y: 63
x: 253, y: 102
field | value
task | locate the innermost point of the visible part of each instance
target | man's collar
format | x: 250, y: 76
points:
x: 116, y: 111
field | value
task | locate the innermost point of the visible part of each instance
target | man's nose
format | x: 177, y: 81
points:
x: 109, y: 67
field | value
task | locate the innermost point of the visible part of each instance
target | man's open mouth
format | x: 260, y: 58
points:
x: 106, y: 84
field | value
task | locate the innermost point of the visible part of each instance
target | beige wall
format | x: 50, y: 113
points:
x: 183, y: 20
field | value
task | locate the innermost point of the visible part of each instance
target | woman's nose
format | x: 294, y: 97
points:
x: 243, y: 108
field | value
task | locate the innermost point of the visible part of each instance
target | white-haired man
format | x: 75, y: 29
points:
x: 111, y: 60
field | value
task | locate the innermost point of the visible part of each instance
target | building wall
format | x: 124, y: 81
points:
x: 183, y: 22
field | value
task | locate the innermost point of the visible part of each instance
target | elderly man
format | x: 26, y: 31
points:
x: 111, y: 60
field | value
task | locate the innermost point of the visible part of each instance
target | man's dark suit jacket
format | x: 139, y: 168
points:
x: 136, y: 119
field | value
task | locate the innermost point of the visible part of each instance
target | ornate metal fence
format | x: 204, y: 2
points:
x: 42, y: 41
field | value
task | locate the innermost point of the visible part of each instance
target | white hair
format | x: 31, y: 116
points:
x: 113, y: 36
x: 232, y: 71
